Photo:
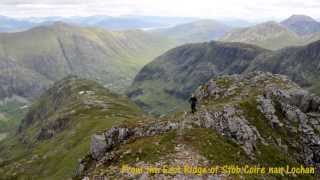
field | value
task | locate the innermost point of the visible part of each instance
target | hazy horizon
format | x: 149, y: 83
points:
x: 250, y: 10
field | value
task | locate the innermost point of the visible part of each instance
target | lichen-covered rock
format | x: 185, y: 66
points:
x: 283, y: 104
x: 52, y: 128
x: 267, y: 108
x: 98, y: 146
x: 300, y: 110
x: 102, y: 143
x: 232, y: 124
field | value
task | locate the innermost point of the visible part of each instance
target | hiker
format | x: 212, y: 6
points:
x: 193, y: 102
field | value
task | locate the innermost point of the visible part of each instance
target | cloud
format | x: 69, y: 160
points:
x: 246, y: 9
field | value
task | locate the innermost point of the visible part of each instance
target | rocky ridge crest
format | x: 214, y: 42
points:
x: 254, y: 110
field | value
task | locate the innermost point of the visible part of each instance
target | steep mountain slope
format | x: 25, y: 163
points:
x: 270, y: 35
x: 198, y: 31
x: 302, y: 25
x: 257, y: 119
x: 56, y: 131
x: 164, y: 85
x: 32, y: 60
x: 301, y: 64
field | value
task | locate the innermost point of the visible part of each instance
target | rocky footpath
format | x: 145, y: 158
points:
x: 255, y: 111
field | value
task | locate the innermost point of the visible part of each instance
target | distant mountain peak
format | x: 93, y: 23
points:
x: 60, y: 24
x: 302, y: 24
x: 264, y: 35
x: 298, y: 17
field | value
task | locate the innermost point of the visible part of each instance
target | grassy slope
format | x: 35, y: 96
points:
x: 36, y: 58
x: 50, y: 53
x: 11, y: 114
x: 57, y: 158
x: 157, y: 102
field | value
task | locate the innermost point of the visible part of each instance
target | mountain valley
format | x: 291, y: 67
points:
x: 164, y: 85
x: 91, y: 97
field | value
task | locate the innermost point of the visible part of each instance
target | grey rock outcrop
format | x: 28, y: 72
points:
x: 267, y: 108
x: 98, y: 146
x: 301, y: 115
x: 232, y: 124
x: 103, y: 143
x: 283, y: 103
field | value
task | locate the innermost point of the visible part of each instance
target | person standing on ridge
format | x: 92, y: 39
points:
x: 193, y: 102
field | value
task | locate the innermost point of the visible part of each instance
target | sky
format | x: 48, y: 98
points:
x: 216, y: 9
